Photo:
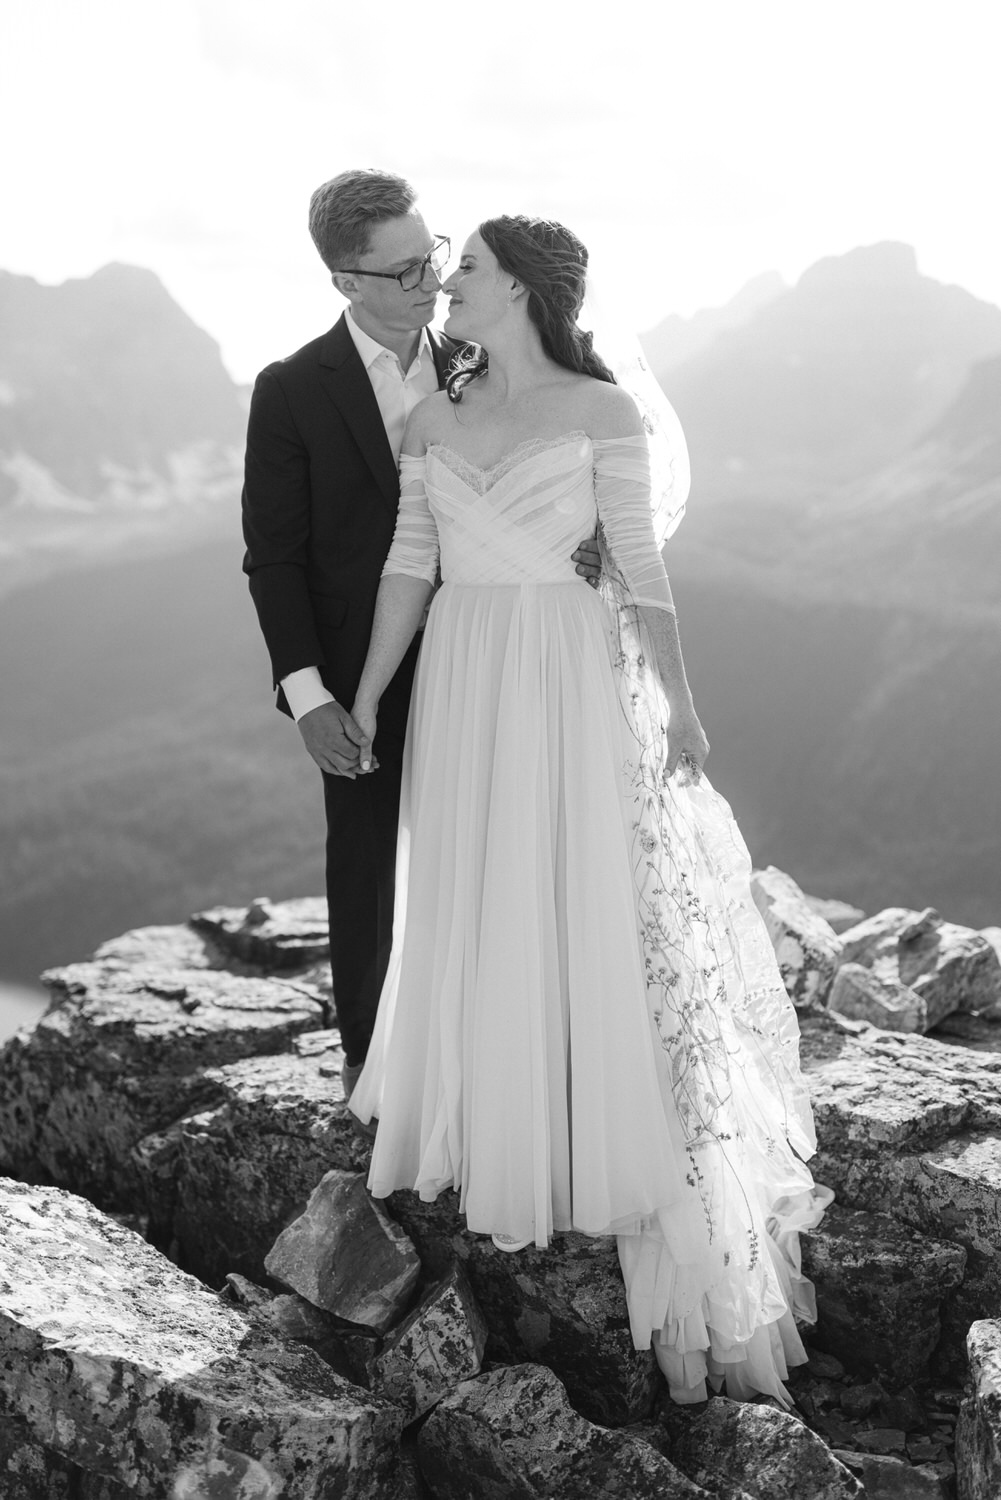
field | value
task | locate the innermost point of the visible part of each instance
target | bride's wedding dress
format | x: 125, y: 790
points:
x: 583, y: 1025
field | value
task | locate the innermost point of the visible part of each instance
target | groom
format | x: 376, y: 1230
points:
x: 319, y: 508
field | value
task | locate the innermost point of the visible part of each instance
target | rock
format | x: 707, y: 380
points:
x: 132, y: 1370
x: 346, y: 1255
x: 881, y: 1440
x: 981, y: 1032
x: 950, y: 967
x: 564, y: 1307
x: 992, y: 935
x: 120, y: 1056
x: 807, y: 948
x: 880, y: 1288
x: 33, y: 1472
x: 240, y: 1170
x: 909, y: 1126
x: 837, y: 914
x: 824, y: 1366
x: 863, y: 995
x: 859, y: 1400
x: 978, y: 1434
x: 903, y: 1408
x: 272, y: 934
x: 767, y: 1452
x: 434, y: 1349
x: 513, y: 1435
x: 895, y: 1479
x: 348, y: 1350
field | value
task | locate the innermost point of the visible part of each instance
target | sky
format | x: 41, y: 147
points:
x: 691, y: 146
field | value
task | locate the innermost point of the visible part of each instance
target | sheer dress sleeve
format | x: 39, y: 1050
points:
x: 415, y: 540
x: 622, y: 493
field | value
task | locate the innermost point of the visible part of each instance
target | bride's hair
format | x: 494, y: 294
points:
x: 551, y: 264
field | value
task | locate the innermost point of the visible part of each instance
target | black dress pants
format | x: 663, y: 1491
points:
x: 362, y: 820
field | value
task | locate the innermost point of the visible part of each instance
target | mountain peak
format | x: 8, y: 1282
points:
x: 890, y: 262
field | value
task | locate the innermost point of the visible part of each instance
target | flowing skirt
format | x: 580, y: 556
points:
x: 583, y: 1025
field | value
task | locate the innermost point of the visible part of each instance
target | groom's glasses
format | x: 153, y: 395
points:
x: 411, y: 277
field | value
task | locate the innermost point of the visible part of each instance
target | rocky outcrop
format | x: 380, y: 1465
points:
x: 514, y: 1433
x: 932, y: 966
x: 911, y: 1128
x: 978, y: 1443
x: 188, y: 1077
x: 126, y: 1048
x: 806, y: 945
x: 132, y: 1370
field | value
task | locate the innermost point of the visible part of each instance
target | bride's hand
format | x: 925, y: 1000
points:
x: 364, y: 715
x: 687, y: 745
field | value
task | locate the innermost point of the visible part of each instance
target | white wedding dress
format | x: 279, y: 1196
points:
x: 583, y: 1025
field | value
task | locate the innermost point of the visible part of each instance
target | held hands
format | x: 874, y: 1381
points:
x: 364, y: 715
x: 333, y: 739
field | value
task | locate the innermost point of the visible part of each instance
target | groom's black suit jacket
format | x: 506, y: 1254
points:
x: 319, y: 507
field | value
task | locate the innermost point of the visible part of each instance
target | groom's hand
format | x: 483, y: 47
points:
x: 332, y: 738
x: 588, y: 560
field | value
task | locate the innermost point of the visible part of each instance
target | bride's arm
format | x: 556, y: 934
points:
x: 404, y: 590
x: 622, y: 491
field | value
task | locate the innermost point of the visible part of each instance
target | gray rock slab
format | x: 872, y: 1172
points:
x: 435, y: 1348
x: 910, y: 1126
x: 950, y: 967
x: 806, y: 946
x: 273, y: 934
x: 767, y: 1452
x: 840, y: 915
x: 880, y: 1288
x: 564, y: 1307
x: 133, y: 1370
x: 227, y: 1180
x: 345, y: 1348
x: 122, y: 1054
x: 978, y: 1432
x: 513, y: 1435
x: 864, y: 995
x: 344, y: 1254
x: 30, y: 1471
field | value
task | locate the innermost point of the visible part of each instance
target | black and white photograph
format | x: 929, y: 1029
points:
x: 500, y: 665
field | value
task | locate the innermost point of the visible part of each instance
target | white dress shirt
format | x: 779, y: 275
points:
x: 397, y: 393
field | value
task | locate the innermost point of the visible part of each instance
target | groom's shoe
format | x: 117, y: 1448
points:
x: 350, y: 1074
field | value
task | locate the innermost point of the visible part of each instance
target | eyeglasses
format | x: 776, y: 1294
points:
x: 411, y: 277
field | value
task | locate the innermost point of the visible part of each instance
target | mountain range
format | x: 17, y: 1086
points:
x: 836, y: 579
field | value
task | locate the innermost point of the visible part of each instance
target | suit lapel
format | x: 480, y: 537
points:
x: 346, y: 382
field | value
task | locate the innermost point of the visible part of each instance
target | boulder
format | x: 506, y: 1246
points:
x: 949, y: 967
x: 880, y: 1288
x: 513, y: 1435
x: 806, y: 946
x: 886, y: 1478
x: 564, y: 1307
x: 344, y: 1254
x: 978, y: 1434
x: 131, y: 1370
x: 863, y: 995
x: 838, y: 914
x: 349, y: 1350
x: 909, y: 1126
x: 273, y: 935
x: 222, y: 1183
x: 435, y: 1348
x: 122, y: 1053
x: 768, y: 1453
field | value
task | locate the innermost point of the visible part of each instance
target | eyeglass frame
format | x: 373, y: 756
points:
x: 443, y: 239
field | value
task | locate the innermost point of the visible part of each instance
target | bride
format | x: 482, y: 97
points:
x: 583, y: 1025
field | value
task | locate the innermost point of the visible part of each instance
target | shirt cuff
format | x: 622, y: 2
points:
x: 305, y: 691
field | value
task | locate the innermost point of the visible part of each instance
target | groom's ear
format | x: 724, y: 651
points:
x: 345, y: 283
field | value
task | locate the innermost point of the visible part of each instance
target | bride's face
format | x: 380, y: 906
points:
x: 478, y: 292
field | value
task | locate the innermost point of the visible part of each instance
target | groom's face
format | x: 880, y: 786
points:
x: 380, y: 305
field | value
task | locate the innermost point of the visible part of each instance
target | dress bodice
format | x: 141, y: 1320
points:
x: 519, y: 521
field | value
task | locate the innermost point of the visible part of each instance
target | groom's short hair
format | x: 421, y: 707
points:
x: 344, y: 211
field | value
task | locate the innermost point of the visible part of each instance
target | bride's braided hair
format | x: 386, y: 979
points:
x: 551, y: 264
